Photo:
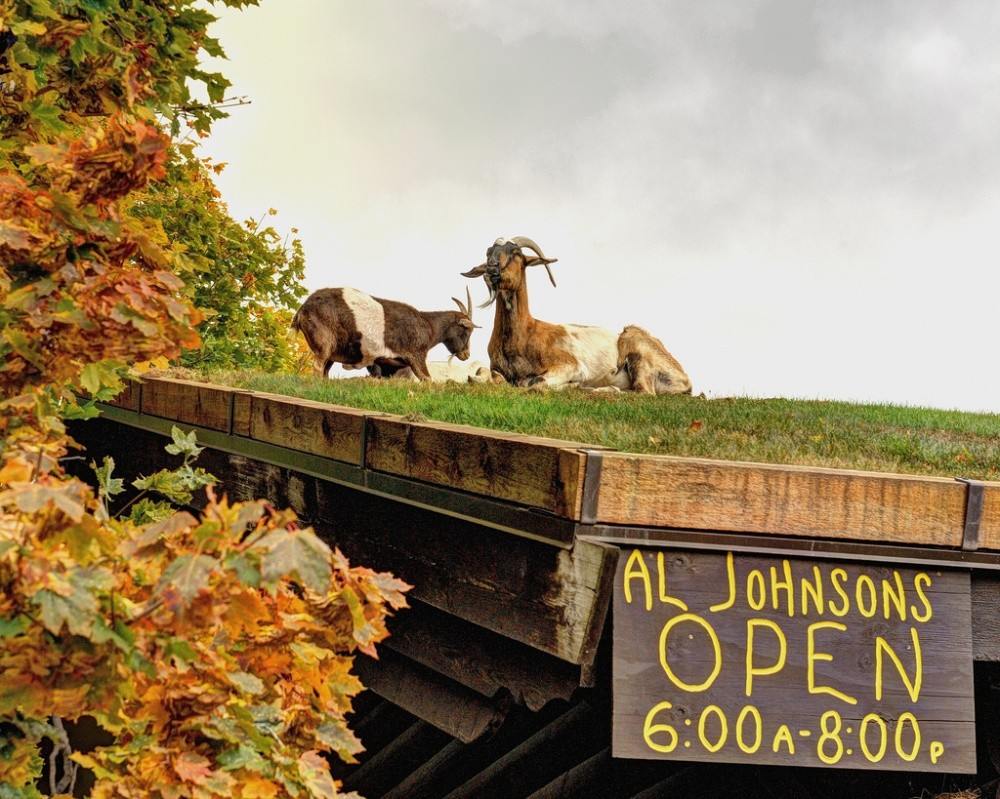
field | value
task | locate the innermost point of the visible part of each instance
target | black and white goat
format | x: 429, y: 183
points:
x: 346, y: 326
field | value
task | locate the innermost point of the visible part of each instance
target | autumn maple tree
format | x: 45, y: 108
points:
x: 245, y: 278
x: 215, y: 649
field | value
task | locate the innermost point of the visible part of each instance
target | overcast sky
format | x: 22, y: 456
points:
x: 798, y: 198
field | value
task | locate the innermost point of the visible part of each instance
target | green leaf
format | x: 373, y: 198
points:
x: 188, y: 575
x: 102, y: 633
x: 107, y: 485
x: 246, y: 682
x: 12, y: 627
x: 340, y: 739
x: 74, y: 603
x: 50, y: 116
x: 244, y: 567
x: 183, y: 443
x: 241, y: 757
x: 181, y: 650
x: 299, y: 553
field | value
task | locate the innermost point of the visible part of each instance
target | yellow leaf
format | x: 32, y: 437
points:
x: 258, y: 788
x: 16, y: 470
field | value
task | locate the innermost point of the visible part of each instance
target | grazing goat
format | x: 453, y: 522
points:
x: 527, y: 351
x: 348, y: 327
x: 645, y: 365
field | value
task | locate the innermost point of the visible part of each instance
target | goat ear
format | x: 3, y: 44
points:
x: 477, y: 271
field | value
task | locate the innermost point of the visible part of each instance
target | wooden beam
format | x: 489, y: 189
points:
x: 421, y: 781
x: 479, y: 659
x: 384, y: 769
x: 986, y: 617
x: 188, y: 402
x: 551, y: 599
x: 306, y: 426
x: 692, y: 493
x: 129, y: 398
x: 450, y: 707
x: 989, y: 527
x: 558, y: 746
x: 543, y: 473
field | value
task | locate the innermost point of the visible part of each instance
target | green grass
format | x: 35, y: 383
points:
x: 818, y: 433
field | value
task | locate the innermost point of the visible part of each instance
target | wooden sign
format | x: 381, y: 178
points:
x: 745, y: 659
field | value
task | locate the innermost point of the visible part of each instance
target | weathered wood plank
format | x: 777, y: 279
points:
x: 241, y: 413
x: 989, y: 528
x: 545, y: 597
x: 450, y: 707
x: 187, y: 402
x: 986, y: 616
x: 543, y: 473
x: 314, y: 427
x: 555, y: 748
x: 479, y: 659
x: 665, y: 491
x: 413, y: 746
x: 129, y: 398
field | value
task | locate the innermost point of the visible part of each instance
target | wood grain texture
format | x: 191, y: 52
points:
x: 129, y: 398
x: 187, y: 402
x: 479, y: 659
x: 986, y: 616
x: 241, y: 412
x: 306, y: 426
x: 989, y: 528
x: 543, y: 596
x: 664, y: 491
x: 543, y: 473
x: 934, y: 607
x: 460, y: 712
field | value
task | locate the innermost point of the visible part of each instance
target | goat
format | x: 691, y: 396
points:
x: 527, y: 351
x: 645, y: 365
x: 346, y: 326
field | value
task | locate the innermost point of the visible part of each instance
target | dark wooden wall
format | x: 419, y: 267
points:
x: 496, y: 683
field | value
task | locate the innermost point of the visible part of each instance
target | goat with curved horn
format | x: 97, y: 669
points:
x: 527, y: 351
x: 524, y: 350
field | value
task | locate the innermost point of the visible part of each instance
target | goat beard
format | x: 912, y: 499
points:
x: 493, y: 296
x: 494, y: 293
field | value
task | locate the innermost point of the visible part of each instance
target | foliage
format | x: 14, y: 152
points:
x: 243, y: 277
x: 214, y: 647
x: 809, y: 432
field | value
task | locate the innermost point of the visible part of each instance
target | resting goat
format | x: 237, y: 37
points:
x: 348, y: 327
x: 645, y: 366
x: 524, y: 350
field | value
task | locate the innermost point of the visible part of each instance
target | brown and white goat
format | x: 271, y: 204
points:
x: 645, y: 365
x: 348, y: 327
x: 526, y: 351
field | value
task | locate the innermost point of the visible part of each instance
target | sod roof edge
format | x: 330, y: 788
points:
x: 634, y: 489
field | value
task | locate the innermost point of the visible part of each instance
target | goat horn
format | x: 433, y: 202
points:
x: 524, y: 241
x: 468, y: 303
x: 550, y: 275
x: 461, y: 307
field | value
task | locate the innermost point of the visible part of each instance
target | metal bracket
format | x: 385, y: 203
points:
x: 973, y: 512
x: 591, y: 485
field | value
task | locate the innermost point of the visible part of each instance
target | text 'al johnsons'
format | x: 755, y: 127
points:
x: 782, y: 628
